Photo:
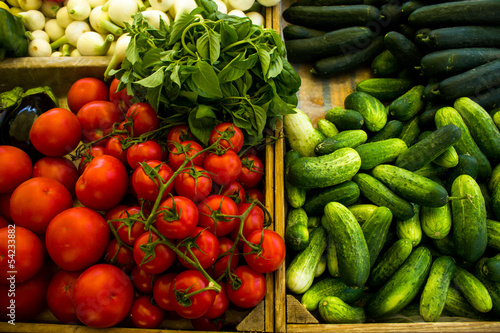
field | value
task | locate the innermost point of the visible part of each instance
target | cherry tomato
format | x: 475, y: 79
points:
x: 97, y: 119
x: 252, y: 171
x: 143, y: 117
x: 142, y: 280
x: 178, y: 134
x: 145, y: 314
x: 220, y: 304
x: 271, y: 253
x: 224, y: 168
x: 251, y: 290
x: 119, y: 97
x: 159, y: 257
x: 232, y: 136
x: 253, y: 221
x: 77, y: 238
x: 235, y: 191
x: 176, y: 157
x: 142, y: 152
x: 194, y: 183
x: 213, y: 214
x: 177, y: 217
x: 148, y: 188
x: 129, y: 229
x: 205, y: 248
x: 102, y: 296
x: 114, y: 147
x: 161, y: 291
x: 58, y: 168
x: 86, y: 90
x: 120, y: 256
x: 60, y: 294
x: 222, y: 262
x: 88, y: 155
x: 254, y: 194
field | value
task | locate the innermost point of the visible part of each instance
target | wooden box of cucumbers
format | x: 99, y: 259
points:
x: 390, y: 203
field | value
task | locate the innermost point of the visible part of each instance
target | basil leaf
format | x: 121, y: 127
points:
x: 228, y: 34
x: 201, y: 121
x: 154, y: 79
x: 276, y: 68
x: 264, y: 58
x: 208, y: 46
x: 206, y: 80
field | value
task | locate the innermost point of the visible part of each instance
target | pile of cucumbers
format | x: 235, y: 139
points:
x: 394, y: 207
x: 452, y: 48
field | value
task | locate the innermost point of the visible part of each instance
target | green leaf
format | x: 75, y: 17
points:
x: 131, y: 52
x: 201, y: 120
x: 180, y: 24
x: 154, y: 80
x: 264, y: 57
x: 152, y: 58
x: 206, y: 80
x: 276, y: 68
x: 228, y: 34
x: 231, y: 72
x: 208, y: 46
x: 153, y: 97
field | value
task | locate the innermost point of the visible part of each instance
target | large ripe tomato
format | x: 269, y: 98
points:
x: 254, y: 194
x: 143, y: 118
x: 224, y: 168
x: 103, y: 184
x: 97, y: 119
x: 189, y: 148
x: 102, y: 296
x: 222, y: 263
x: 15, y: 168
x: 144, y: 151
x: 178, y: 134
x: 232, y: 136
x: 148, y: 188
x: 271, y: 254
x: 130, y: 228
x: 220, y: 304
x: 152, y: 257
x: 142, y: 280
x: 254, y: 220
x: 177, y: 217
x: 161, y: 291
x: 252, y: 171
x: 251, y: 290
x: 205, y: 248
x: 194, y: 306
x: 86, y: 90
x: 217, y: 214
x: 145, y: 314
x: 21, y: 251
x: 60, y: 295
x: 114, y: 147
x: 193, y: 183
x: 235, y: 191
x: 119, y: 97
x: 77, y: 238
x: 120, y: 256
x: 35, y: 202
x: 88, y: 155
x: 58, y: 168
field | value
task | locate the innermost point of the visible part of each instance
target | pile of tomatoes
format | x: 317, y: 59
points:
x: 129, y: 220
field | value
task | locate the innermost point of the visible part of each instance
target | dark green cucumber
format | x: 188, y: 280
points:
x: 346, y: 193
x: 379, y: 152
x: 460, y: 37
x: 324, y: 171
x: 352, y: 250
x: 488, y: 98
x: 493, y: 228
x: 492, y: 286
x: 389, y: 262
x: 296, y: 231
x: 331, y: 17
x: 426, y: 150
x: 334, y: 310
x: 431, y: 171
x: 410, y: 186
x: 411, y: 228
x: 411, y: 131
x: 410, y: 6
x: 295, y: 196
x: 433, y: 296
x: 408, y: 105
x: 392, y: 129
x: 469, y: 218
x: 495, y: 202
x: 403, y: 48
x: 436, y: 221
x: 362, y: 211
x: 472, y: 289
x: 326, y: 2
x: 329, y: 286
x: 386, y: 65
x: 467, y: 165
x: 332, y: 262
x: 348, y: 138
x: 375, y: 231
x: 327, y: 128
x: 458, y: 306
x: 495, y: 178
x: 372, y: 109
x: 379, y: 194
x: 345, y: 119
x: 384, y: 88
x: 313, y: 222
x: 448, y: 159
x: 295, y: 31
x: 491, y: 268
x: 402, y: 287
x: 445, y: 245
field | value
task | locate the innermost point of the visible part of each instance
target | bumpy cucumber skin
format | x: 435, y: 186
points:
x: 386, y: 65
x: 329, y: 286
x: 472, y: 289
x: 335, y: 311
x: 346, y: 193
x: 362, y: 211
x: 332, y: 261
x: 392, y: 129
x: 327, y: 128
x: 372, y: 110
x: 389, y: 262
x: 492, y: 268
x: 384, y: 89
x: 300, y: 133
x: 411, y: 228
x: 375, y: 231
x: 493, y: 232
x: 408, y: 105
x: 296, y: 231
x: 349, y: 138
x: 492, y: 287
x: 436, y: 222
x: 467, y: 164
x: 411, y: 131
x: 435, y: 290
x: 458, y: 306
x: 345, y: 119
x: 380, y: 152
x: 295, y: 196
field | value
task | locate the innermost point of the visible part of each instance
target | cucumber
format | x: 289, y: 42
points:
x: 300, y: 133
x: 326, y: 2
x: 332, y: 262
x: 433, y: 296
x: 410, y: 228
x: 436, y: 221
x: 379, y: 152
x: 295, y: 31
x: 372, y: 110
x: 362, y: 211
x: 327, y: 128
x: 472, y: 289
x: 379, y: 194
x: 448, y: 159
x: 411, y: 131
x: 352, y: 251
x: 431, y: 171
x: 403, y: 48
x: 409, y: 104
x: 349, y: 138
x: 392, y: 129
x: 458, y: 306
x: 494, y: 179
x: 329, y: 286
x: 402, y: 287
x: 469, y: 219
x: 389, y: 262
x: 466, y: 165
x: 493, y: 228
x: 384, y: 88
x: 335, y: 311
x: 410, y: 6
x: 299, y: 275
x: 296, y: 231
x: 488, y: 99
x: 491, y: 268
x: 410, y: 186
x: 426, y: 150
x: 481, y: 126
x: 321, y: 268
x: 445, y: 245
x: 345, y: 119
x: 295, y: 196
x: 460, y: 37
x: 492, y: 287
x: 495, y: 202
x: 346, y: 193
x: 313, y: 222
x: 386, y: 65
x: 324, y: 171
x: 375, y: 231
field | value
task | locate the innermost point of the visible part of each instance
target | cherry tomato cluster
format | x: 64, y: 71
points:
x: 145, y: 223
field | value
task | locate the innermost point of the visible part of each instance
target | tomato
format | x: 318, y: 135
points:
x: 145, y: 314
x: 177, y: 217
x: 86, y: 90
x: 148, y: 188
x: 114, y: 147
x: 129, y: 229
x: 271, y: 252
x: 58, y: 168
x: 5, y: 206
x: 161, y: 291
x: 35, y: 202
x: 205, y: 248
x: 178, y: 134
x: 15, y: 168
x: 88, y: 155
x: 60, y: 294
x: 251, y: 290
x: 254, y: 220
x: 119, y: 255
x: 189, y: 147
x: 213, y: 214
x: 77, y: 238
x: 143, y: 119
x: 97, y: 119
x: 222, y: 262
x: 224, y: 168
x: 103, y: 184
x: 254, y: 194
x: 207, y: 324
x: 159, y: 256
x: 21, y: 251
x: 119, y: 97
x: 252, y: 171
x: 220, y: 304
x: 194, y: 183
x: 142, y: 152
x: 189, y: 282
x: 3, y: 222
x: 232, y: 136
x: 102, y: 296
x: 235, y: 191
x: 142, y: 280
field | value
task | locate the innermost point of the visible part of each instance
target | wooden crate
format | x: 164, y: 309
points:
x: 316, y: 97
x: 59, y: 74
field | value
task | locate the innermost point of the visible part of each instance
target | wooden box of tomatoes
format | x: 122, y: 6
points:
x: 129, y: 246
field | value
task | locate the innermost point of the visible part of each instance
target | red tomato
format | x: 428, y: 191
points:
x: 220, y: 304
x: 178, y: 134
x: 214, y: 211
x: 254, y: 220
x: 102, y: 296
x: 35, y: 202
x: 177, y: 217
x: 120, y: 256
x: 143, y: 117
x: 252, y: 171
x: 142, y: 152
x: 77, y: 238
x: 97, y: 119
x: 270, y: 254
x: 21, y: 251
x: 86, y: 90
x: 205, y: 248
x: 159, y: 257
x: 3, y: 222
x: 103, y: 184
x: 193, y: 183
x: 114, y: 147
x: 60, y: 294
x: 207, y: 324
x: 194, y: 306
x: 235, y: 191
x: 5, y: 206
x: 222, y: 262
x: 251, y: 290
x: 58, y: 168
x: 224, y: 168
x: 15, y: 168
x: 145, y: 314
x: 88, y: 155
x: 177, y: 157
x: 119, y: 97
x: 161, y: 291
x: 129, y: 229
x: 232, y: 136
x: 142, y: 280
x: 148, y: 188
x: 254, y: 194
